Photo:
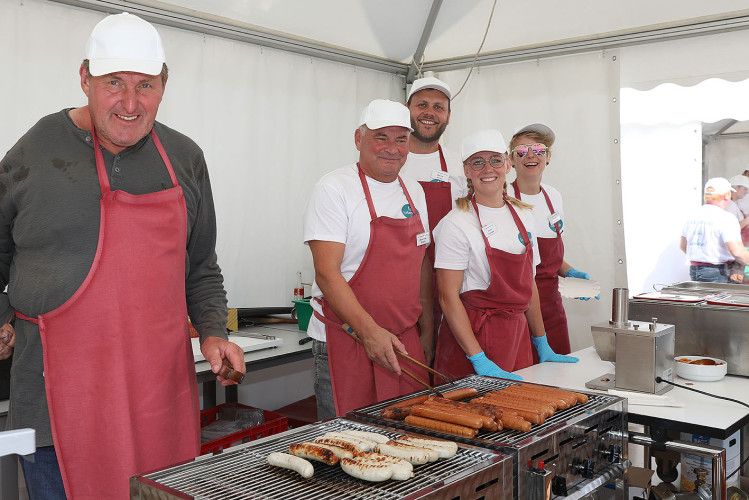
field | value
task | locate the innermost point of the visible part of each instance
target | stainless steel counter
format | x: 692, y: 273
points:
x: 709, y: 320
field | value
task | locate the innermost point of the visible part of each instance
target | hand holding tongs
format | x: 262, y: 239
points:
x: 352, y: 333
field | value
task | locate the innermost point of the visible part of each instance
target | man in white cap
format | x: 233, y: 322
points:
x: 711, y: 237
x: 368, y: 230
x: 438, y: 170
x: 107, y: 243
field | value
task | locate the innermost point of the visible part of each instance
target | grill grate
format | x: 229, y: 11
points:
x: 242, y: 472
x: 505, y: 437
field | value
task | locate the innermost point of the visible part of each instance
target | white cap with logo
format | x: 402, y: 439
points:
x: 739, y: 180
x: 483, y: 140
x: 718, y: 185
x: 383, y: 113
x: 429, y: 82
x: 124, y: 42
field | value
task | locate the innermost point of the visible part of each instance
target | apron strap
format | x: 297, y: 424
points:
x: 368, y: 196
x: 548, y: 203
x: 102, y: 171
x: 20, y: 315
x: 518, y: 223
x: 515, y: 187
x: 443, y: 163
x: 551, y: 209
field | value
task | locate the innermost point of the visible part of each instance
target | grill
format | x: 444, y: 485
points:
x: 584, y: 447
x: 242, y: 472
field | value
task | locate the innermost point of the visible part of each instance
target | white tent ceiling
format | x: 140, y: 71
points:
x: 451, y: 31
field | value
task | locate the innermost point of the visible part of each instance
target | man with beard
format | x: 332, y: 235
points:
x: 438, y: 170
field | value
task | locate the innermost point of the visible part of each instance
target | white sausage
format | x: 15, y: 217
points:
x: 361, y: 443
x: 374, y: 436
x: 368, y: 471
x: 286, y: 461
x: 402, y: 469
x: 339, y: 452
x: 433, y: 455
x: 414, y: 455
x: 446, y: 449
x: 312, y: 451
x: 340, y: 443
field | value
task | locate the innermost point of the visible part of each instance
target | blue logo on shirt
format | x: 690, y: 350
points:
x: 406, y: 209
x: 435, y: 180
x: 553, y: 227
x: 520, y: 238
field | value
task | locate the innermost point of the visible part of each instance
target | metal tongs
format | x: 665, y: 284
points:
x: 352, y: 333
x: 252, y: 335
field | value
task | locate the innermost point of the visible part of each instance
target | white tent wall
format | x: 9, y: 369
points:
x: 271, y: 123
x: 577, y: 97
x: 662, y: 155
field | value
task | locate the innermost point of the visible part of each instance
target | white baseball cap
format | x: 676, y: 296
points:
x: 483, y: 140
x: 124, y: 42
x: 718, y: 185
x: 739, y: 180
x: 429, y: 82
x: 383, y: 113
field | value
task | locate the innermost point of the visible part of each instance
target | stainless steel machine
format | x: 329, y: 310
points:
x: 642, y: 351
x: 711, y: 319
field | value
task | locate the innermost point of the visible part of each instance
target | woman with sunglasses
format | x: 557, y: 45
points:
x: 530, y: 154
x: 485, y: 262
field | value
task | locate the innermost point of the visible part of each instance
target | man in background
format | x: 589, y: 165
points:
x: 711, y: 236
x: 438, y: 170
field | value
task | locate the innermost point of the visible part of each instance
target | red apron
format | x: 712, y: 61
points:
x: 497, y: 314
x: 439, y: 204
x: 744, y: 231
x: 551, y: 252
x: 118, y: 365
x: 387, y: 285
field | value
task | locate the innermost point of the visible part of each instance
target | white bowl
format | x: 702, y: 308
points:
x: 700, y: 373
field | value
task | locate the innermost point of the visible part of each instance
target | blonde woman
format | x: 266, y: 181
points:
x: 485, y: 262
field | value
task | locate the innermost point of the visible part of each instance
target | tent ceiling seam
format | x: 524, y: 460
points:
x: 593, y: 44
x: 425, y: 34
x: 203, y: 25
x: 242, y: 34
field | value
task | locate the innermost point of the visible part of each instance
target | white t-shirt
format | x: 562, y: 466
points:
x: 707, y: 231
x: 338, y: 211
x: 541, y: 212
x: 733, y: 208
x: 421, y: 166
x: 461, y: 247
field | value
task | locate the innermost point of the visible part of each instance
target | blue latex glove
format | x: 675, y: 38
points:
x: 484, y: 366
x: 545, y: 353
x: 574, y: 273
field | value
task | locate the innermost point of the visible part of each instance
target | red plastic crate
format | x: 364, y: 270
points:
x: 274, y: 423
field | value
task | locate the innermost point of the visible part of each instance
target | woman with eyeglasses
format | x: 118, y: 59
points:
x: 485, y: 262
x: 530, y: 152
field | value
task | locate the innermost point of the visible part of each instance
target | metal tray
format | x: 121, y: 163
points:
x: 730, y: 299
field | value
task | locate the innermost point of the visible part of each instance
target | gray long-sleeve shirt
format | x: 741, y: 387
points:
x: 49, y: 228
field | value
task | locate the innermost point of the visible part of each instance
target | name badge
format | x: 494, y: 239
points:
x: 554, y: 218
x: 440, y: 176
x: 422, y: 239
x: 489, y: 230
